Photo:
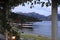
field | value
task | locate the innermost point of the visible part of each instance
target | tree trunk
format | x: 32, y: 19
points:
x: 10, y: 36
x: 54, y: 20
x: 4, y: 19
x: 6, y: 35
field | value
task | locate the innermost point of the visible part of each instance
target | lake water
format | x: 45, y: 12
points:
x: 43, y: 28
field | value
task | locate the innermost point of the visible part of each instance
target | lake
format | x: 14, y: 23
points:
x: 42, y: 28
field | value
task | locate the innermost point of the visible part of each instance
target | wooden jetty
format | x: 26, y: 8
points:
x: 26, y: 25
x: 29, y: 27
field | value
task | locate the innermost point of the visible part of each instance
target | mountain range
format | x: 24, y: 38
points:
x: 36, y: 15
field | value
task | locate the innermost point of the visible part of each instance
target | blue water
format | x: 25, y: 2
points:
x: 44, y: 28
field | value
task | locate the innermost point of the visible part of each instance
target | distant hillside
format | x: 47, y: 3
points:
x: 36, y: 15
x: 49, y: 17
x: 22, y: 18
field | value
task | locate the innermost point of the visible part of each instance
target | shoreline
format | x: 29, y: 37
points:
x: 36, y: 37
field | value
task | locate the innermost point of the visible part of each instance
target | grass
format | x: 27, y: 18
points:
x: 26, y: 36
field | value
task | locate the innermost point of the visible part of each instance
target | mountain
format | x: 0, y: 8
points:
x: 39, y: 16
x: 49, y: 17
x: 35, y: 15
x: 59, y: 17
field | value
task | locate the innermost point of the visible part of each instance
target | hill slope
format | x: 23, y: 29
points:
x: 36, y: 15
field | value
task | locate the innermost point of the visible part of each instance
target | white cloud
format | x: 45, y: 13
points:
x: 59, y: 10
x: 37, y: 8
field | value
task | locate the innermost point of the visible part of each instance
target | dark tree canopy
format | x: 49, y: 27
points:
x: 59, y: 2
x: 12, y: 3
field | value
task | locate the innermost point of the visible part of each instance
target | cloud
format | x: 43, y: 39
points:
x: 37, y: 8
x: 59, y: 10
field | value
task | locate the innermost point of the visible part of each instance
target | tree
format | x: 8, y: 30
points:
x: 5, y: 6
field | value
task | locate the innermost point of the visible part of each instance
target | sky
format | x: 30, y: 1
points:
x: 37, y: 8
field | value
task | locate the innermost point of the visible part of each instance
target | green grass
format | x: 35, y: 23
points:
x: 26, y: 36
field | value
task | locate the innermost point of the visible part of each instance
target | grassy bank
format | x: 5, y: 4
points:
x: 33, y: 37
